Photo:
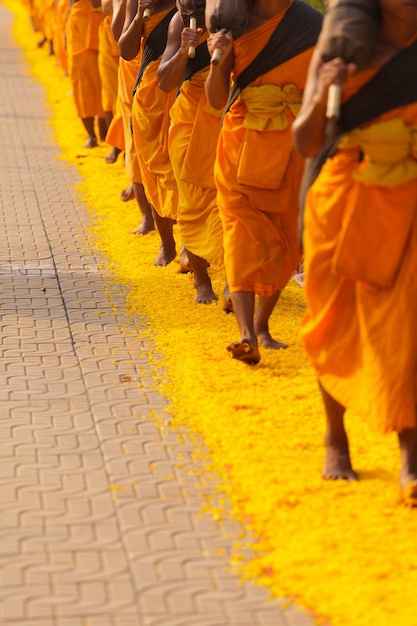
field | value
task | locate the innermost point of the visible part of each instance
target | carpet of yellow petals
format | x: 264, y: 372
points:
x: 345, y: 552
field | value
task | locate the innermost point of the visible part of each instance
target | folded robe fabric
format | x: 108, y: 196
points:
x: 127, y: 76
x: 115, y: 134
x: 60, y: 48
x: 108, y: 64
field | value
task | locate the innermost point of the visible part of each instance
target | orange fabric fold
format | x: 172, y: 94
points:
x: 127, y: 75
x: 108, y: 63
x: 60, y: 48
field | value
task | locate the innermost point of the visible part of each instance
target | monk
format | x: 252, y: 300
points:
x: 360, y: 245
x: 82, y: 45
x: 126, y: 81
x: 43, y: 19
x: 257, y: 169
x: 150, y: 117
x: 108, y: 65
x: 192, y: 142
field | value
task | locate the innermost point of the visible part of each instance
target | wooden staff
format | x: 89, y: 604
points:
x: 217, y: 54
x: 349, y: 31
x: 225, y: 15
x: 193, y: 25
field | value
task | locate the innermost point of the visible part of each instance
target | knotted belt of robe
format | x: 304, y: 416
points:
x: 389, y: 152
x: 267, y: 104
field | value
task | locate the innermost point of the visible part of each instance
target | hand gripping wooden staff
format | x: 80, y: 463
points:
x: 193, y: 25
x: 192, y: 13
x: 225, y: 15
x: 349, y: 31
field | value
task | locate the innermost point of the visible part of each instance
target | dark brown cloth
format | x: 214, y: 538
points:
x: 349, y: 30
x: 227, y: 14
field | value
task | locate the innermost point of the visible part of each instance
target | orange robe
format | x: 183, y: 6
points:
x: 192, y: 144
x: 127, y: 76
x: 258, y: 171
x: 82, y: 45
x: 43, y: 17
x: 49, y: 19
x: 60, y: 48
x: 108, y: 65
x: 150, y: 118
x: 360, y: 243
x: 38, y: 15
x: 115, y: 134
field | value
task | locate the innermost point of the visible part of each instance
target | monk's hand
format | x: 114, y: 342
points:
x: 143, y: 5
x: 190, y: 37
x: 222, y: 40
x: 334, y: 72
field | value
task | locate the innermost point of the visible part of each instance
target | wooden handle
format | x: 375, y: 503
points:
x: 146, y: 14
x: 191, y: 49
x: 333, y: 102
x: 217, y: 55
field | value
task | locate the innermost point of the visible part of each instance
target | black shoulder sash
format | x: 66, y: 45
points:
x: 194, y: 65
x: 155, y: 45
x: 199, y: 62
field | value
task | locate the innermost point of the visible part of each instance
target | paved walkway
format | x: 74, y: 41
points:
x: 99, y: 526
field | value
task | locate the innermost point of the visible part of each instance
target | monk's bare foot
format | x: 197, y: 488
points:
x: 227, y: 301
x: 409, y: 494
x: 128, y: 193
x: 204, y: 293
x: 165, y: 256
x: 408, y: 475
x: 91, y: 142
x: 113, y: 155
x: 145, y: 227
x: 337, y: 465
x: 267, y: 341
x: 244, y: 351
x: 184, y: 266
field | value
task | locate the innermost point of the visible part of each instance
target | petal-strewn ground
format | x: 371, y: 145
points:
x: 347, y: 552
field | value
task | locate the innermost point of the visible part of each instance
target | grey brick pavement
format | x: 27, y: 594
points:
x: 99, y: 524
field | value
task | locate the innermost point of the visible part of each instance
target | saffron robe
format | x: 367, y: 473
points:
x: 115, y: 134
x: 192, y: 145
x: 108, y: 65
x: 360, y: 244
x: 150, y: 120
x: 43, y: 17
x: 60, y: 48
x: 258, y: 171
x: 127, y: 76
x: 82, y: 45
